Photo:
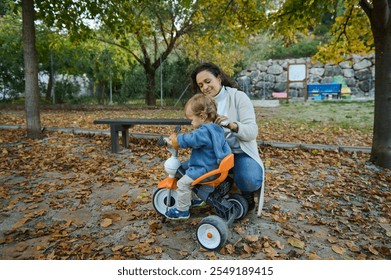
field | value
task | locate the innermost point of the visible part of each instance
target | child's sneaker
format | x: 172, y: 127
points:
x: 197, y: 202
x: 175, y: 214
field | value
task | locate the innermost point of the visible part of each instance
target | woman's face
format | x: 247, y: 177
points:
x: 208, y: 83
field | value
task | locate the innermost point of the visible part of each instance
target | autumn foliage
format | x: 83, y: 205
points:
x: 68, y: 197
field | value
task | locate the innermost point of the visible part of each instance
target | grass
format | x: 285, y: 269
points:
x: 357, y: 115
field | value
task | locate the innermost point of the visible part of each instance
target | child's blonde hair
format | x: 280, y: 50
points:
x: 201, y: 103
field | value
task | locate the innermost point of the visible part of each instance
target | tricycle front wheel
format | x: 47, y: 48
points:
x: 162, y: 200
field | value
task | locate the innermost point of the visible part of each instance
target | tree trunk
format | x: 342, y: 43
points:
x: 100, y: 92
x: 150, y: 98
x: 381, y: 143
x: 30, y: 72
x: 48, y: 96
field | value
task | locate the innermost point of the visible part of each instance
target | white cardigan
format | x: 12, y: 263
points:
x: 241, y: 110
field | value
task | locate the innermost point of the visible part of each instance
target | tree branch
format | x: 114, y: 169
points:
x: 120, y: 46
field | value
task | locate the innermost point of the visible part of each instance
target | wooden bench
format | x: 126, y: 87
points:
x: 318, y: 91
x: 123, y: 124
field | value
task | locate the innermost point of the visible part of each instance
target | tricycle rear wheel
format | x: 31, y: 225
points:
x: 240, y: 204
x: 212, y: 232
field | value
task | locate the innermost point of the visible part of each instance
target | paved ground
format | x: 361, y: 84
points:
x: 68, y: 197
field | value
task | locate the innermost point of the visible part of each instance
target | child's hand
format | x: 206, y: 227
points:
x: 172, y: 141
x: 168, y: 140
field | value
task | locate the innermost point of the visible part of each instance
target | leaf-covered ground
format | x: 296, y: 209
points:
x: 68, y: 197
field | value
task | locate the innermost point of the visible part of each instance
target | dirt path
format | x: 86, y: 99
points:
x: 68, y: 197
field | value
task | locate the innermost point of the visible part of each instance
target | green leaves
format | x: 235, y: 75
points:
x: 350, y: 28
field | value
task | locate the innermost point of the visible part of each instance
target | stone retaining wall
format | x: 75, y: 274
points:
x: 263, y: 78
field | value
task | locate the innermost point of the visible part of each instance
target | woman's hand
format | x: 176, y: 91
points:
x: 224, y: 122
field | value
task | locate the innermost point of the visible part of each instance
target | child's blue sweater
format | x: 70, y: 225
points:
x: 208, y: 146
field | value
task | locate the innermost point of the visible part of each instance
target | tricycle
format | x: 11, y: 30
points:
x: 212, y: 231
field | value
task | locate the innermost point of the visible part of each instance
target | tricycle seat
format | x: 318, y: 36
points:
x: 222, y: 172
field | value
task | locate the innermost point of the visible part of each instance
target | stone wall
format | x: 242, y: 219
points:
x: 263, y: 78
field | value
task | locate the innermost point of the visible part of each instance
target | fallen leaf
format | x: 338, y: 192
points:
x: 133, y: 236
x: 352, y: 247
x: 313, y: 256
x: 183, y: 253
x: 296, y: 242
x: 230, y: 248
x: 332, y: 240
x: 113, y: 216
x: 247, y: 248
x: 211, y: 255
x: 109, y: 201
x: 21, y: 247
x: 40, y: 247
x: 373, y: 250
x: 106, y: 222
x: 269, y: 251
x: 387, y: 228
x: 21, y: 222
x: 279, y: 245
x: 117, y: 248
x: 252, y: 238
x: 239, y: 229
x: 338, y: 249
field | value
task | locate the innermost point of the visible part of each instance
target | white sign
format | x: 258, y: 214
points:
x: 297, y: 72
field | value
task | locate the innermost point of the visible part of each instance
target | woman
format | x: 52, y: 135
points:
x: 237, y: 116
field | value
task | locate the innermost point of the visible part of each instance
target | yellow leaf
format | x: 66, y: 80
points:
x: 296, y: 242
x: 387, y: 228
x: 313, y: 256
x: 338, y: 249
x: 113, y: 216
x: 230, y: 248
x: 21, y: 247
x: 352, y: 247
x: 279, y: 245
x: 373, y: 250
x: 117, y: 248
x: 270, y: 251
x: 252, y: 238
x: 109, y: 201
x: 332, y: 239
x: 247, y: 248
x: 106, y: 222
x: 40, y: 248
x: 21, y: 222
x: 132, y: 236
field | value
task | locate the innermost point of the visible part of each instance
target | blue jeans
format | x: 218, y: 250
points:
x: 248, y: 174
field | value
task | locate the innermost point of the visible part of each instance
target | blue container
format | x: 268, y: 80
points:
x: 316, y: 97
x: 324, y: 88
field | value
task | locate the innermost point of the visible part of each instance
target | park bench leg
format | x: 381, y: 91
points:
x: 114, y: 138
x: 125, y: 135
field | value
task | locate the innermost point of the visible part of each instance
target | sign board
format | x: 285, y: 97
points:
x: 297, y: 72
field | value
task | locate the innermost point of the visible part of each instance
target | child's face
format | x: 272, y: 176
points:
x: 196, y: 121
